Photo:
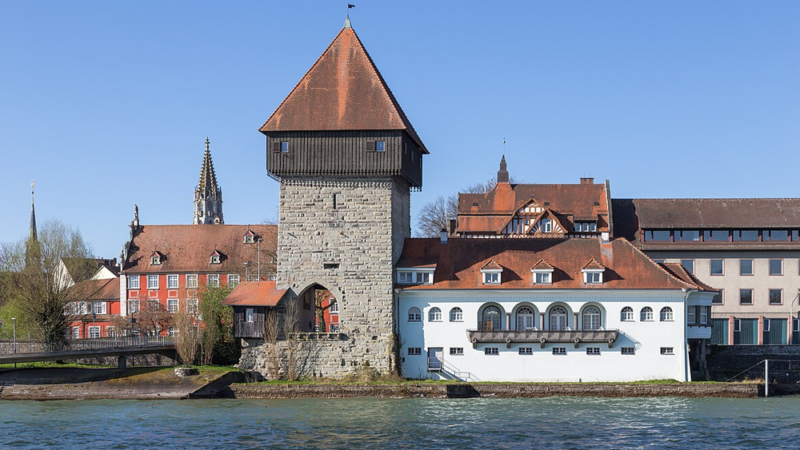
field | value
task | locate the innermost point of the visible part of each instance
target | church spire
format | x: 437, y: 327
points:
x: 207, y: 194
x: 32, y: 231
x: 502, y: 174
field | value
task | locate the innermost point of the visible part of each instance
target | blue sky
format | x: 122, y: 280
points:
x: 107, y: 104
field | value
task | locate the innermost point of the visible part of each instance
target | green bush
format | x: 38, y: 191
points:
x: 225, y: 353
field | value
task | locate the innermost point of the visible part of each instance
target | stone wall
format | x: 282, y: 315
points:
x: 348, y: 245
x: 731, y: 390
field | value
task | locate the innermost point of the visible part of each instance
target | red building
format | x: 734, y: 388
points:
x: 95, y: 311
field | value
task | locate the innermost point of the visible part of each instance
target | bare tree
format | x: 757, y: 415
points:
x: 433, y: 216
x: 36, y: 287
x: 320, y: 295
x: 187, y: 341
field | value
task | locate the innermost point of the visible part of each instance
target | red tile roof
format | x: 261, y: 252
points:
x: 187, y: 248
x: 458, y: 263
x: 492, y: 211
x: 107, y: 289
x: 542, y: 265
x: 255, y: 293
x: 492, y: 265
x: 593, y: 265
x: 343, y: 90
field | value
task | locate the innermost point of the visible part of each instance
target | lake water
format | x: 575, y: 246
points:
x: 559, y: 422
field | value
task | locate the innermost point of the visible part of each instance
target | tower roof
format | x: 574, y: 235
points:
x: 208, y: 179
x: 343, y: 90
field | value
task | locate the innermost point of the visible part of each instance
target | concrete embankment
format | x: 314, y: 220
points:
x: 409, y: 390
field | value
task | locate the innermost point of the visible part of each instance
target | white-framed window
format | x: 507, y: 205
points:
x: 110, y: 332
x: 491, y: 276
x: 191, y: 281
x: 435, y: 315
x: 703, y: 315
x: 414, y: 315
x: 593, y: 276
x: 171, y: 331
x: 525, y: 319
x: 405, y: 277
x: 691, y: 316
x: 666, y: 314
x: 414, y: 351
x: 133, y: 281
x: 646, y: 314
x: 547, y: 226
x: 491, y: 351
x: 591, y: 318
x: 425, y: 277
x: 215, y: 258
x: 490, y: 319
x: 76, y: 332
x: 192, y: 306
x: 94, y: 332
x: 213, y: 279
x: 334, y: 309
x: 592, y: 350
x: 628, y: 351
x: 133, y: 306
x: 155, y: 259
x: 172, y: 305
x: 559, y: 350
x: 249, y: 238
x: 542, y: 277
x: 152, y: 282
x: 456, y: 351
x: 456, y: 315
x: 99, y: 307
x: 249, y: 314
x: 593, y: 227
x: 172, y: 282
x: 627, y: 314
x: 526, y: 351
x: 233, y: 280
x: 415, y: 276
x: 667, y: 351
x: 284, y: 147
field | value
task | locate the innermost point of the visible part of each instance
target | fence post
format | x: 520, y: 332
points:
x: 766, y: 378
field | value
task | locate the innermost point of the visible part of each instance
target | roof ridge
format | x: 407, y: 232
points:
x: 642, y: 254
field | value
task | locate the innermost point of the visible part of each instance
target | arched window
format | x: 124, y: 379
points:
x: 558, y: 318
x: 627, y: 314
x: 647, y: 314
x: 435, y: 315
x: 666, y: 313
x: 456, y: 315
x: 525, y: 318
x: 591, y: 318
x: 490, y: 319
x: 414, y: 315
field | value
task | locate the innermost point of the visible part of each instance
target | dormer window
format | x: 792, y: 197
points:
x: 547, y: 226
x: 155, y: 259
x: 593, y: 272
x: 491, y: 276
x: 415, y: 276
x: 215, y: 257
x: 249, y: 237
x: 542, y: 276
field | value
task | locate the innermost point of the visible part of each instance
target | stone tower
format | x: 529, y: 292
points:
x: 207, y: 194
x: 346, y: 158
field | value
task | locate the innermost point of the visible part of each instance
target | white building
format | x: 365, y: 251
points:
x: 546, y: 310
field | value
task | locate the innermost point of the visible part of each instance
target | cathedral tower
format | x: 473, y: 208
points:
x: 207, y: 194
x: 347, y: 158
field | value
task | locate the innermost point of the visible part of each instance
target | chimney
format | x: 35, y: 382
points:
x: 587, y: 180
x: 443, y: 237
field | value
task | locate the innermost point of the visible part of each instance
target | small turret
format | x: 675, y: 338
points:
x: 502, y: 174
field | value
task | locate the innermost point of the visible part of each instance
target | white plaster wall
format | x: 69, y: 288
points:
x: 646, y: 337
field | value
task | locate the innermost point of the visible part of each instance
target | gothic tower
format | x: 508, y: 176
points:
x: 346, y: 157
x: 207, y: 194
x: 32, y: 249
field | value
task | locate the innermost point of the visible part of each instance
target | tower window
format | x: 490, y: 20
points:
x: 380, y: 146
x: 284, y: 147
x: 335, y: 200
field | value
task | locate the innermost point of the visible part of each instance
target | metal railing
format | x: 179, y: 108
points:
x: 8, y: 348
x: 542, y: 337
x: 435, y: 364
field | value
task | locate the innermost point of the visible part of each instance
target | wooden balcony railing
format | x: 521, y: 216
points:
x: 543, y: 337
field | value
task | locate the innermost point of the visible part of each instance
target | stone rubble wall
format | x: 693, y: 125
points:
x: 262, y: 391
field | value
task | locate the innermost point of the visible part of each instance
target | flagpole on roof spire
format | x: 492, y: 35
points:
x: 347, y: 20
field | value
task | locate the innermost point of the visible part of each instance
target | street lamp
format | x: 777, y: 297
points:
x: 260, y: 240
x: 14, y: 321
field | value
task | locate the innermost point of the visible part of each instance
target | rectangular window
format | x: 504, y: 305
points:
x: 334, y: 308
x: 99, y: 307
x: 718, y: 298
x: 233, y: 280
x: 687, y: 235
x: 544, y: 278
x: 628, y: 351
x: 776, y: 296
x: 775, y: 267
x: 424, y: 277
x: 690, y: 315
x: 284, y: 147
x: 133, y: 306
x: 559, y: 350
x: 172, y: 282
x: 704, y: 315
x: 491, y: 351
x: 456, y: 351
x: 667, y: 351
x: 491, y: 278
x: 745, y: 296
x: 405, y: 277
x: 94, y: 332
x: 380, y: 146
x: 133, y: 282
x: 593, y: 278
x: 745, y: 235
x: 249, y: 313
x: 776, y: 235
x: 172, y: 305
x: 795, y: 235
x: 715, y: 235
x: 592, y: 350
x: 152, y: 282
x: 745, y: 267
x: 526, y: 350
x: 191, y: 281
x: 110, y: 332
x: 414, y: 351
x: 688, y: 264
x: 717, y: 267
x: 593, y: 227
x: 547, y: 226
x: 213, y: 280
x: 737, y: 325
x: 657, y: 235
x: 192, y: 306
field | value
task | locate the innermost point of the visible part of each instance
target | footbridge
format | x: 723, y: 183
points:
x: 88, y: 348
